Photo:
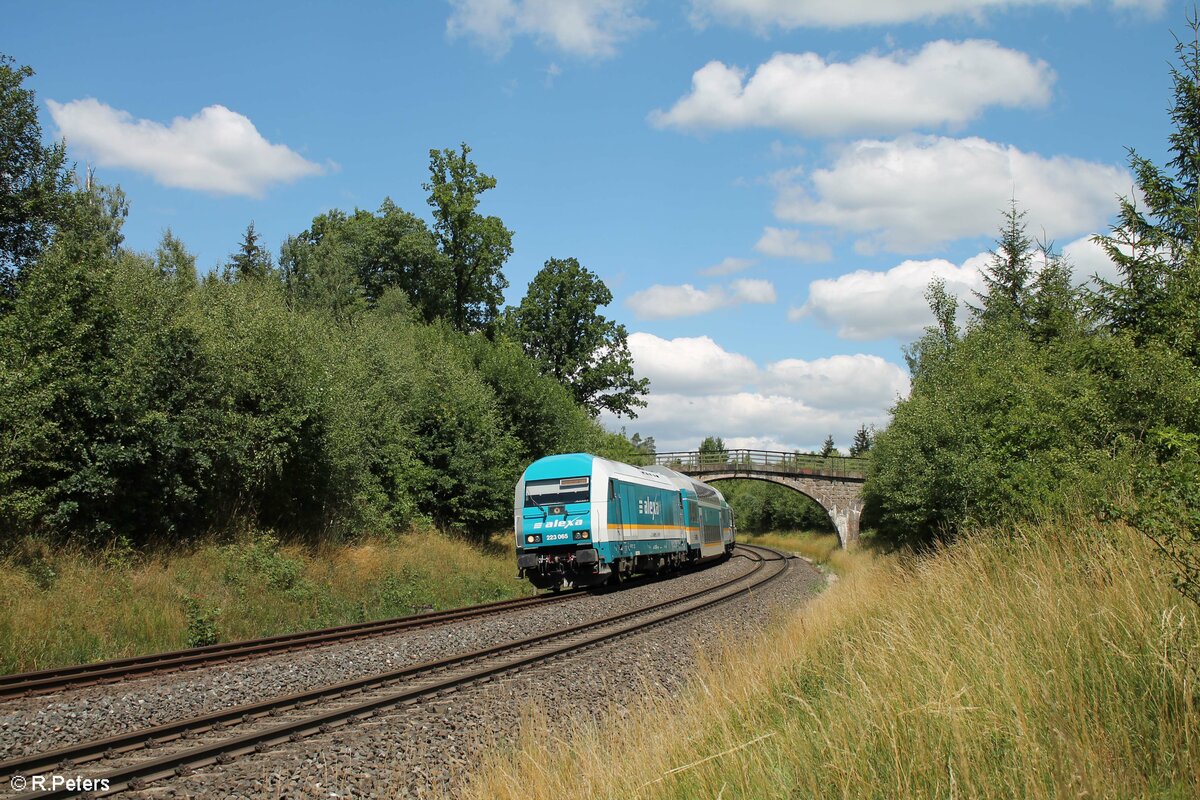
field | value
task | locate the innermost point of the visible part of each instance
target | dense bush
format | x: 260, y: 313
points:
x: 135, y: 403
x: 1056, y: 392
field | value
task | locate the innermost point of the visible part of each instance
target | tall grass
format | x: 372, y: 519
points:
x: 1050, y: 661
x: 61, y: 608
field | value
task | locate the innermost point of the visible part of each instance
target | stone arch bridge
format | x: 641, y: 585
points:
x: 834, y: 482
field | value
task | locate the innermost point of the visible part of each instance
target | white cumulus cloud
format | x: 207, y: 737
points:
x: 762, y: 15
x: 588, y: 28
x: 728, y: 266
x: 866, y: 305
x: 216, y: 150
x: 1089, y: 259
x: 689, y: 365
x: 944, y: 84
x: 869, y: 305
x: 698, y: 389
x: 685, y: 300
x: 846, y: 382
x: 910, y: 194
x: 788, y: 243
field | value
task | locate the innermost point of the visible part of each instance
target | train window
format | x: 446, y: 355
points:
x: 556, y: 491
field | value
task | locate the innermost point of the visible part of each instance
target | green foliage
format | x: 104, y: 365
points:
x: 201, y: 623
x: 35, y: 180
x: 173, y: 260
x: 762, y: 507
x: 252, y: 261
x: 1165, y: 504
x: 257, y: 560
x: 1053, y: 394
x: 863, y: 439
x: 1006, y: 278
x: 343, y: 261
x: 475, y: 246
x: 558, y: 324
x: 827, y: 447
x: 536, y: 410
x: 712, y: 450
x: 994, y: 426
x: 403, y: 592
x: 347, y: 392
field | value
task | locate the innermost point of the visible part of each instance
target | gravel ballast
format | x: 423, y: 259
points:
x: 412, y: 750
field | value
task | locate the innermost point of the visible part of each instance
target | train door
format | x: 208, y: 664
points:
x: 616, y: 517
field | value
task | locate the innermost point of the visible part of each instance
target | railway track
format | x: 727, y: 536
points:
x: 55, y: 680
x: 290, y: 718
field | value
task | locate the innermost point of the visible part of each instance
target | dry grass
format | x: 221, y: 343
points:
x: 107, y: 607
x: 821, y: 548
x: 1041, y: 662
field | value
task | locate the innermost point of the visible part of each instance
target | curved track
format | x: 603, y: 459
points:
x: 289, y: 718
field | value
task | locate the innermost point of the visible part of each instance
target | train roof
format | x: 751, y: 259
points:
x: 569, y: 465
x: 686, y: 482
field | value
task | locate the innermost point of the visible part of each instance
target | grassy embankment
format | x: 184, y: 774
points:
x: 70, y: 607
x: 1046, y: 661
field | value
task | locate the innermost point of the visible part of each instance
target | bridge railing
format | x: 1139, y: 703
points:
x: 760, y: 461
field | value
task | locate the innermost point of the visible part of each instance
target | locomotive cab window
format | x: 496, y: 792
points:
x: 557, y: 491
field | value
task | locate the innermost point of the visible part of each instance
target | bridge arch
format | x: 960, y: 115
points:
x: 835, y: 483
x: 781, y: 481
x: 843, y: 509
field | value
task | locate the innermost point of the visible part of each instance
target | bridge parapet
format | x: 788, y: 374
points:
x: 695, y: 462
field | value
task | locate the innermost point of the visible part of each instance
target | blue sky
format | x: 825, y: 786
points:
x: 765, y: 185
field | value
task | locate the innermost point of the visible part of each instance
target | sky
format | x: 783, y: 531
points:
x: 766, y: 186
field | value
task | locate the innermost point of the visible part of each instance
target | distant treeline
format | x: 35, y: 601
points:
x: 367, y: 380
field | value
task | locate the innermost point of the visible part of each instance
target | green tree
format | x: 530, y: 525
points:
x: 252, y: 261
x: 559, y: 325
x: 1006, y: 277
x: 475, y: 246
x: 35, y: 181
x: 1155, y: 249
x: 939, y: 338
x: 321, y: 275
x: 1055, y: 308
x: 827, y: 448
x: 173, y: 260
x: 862, y: 442
x: 645, y: 446
x: 390, y: 249
x: 712, y: 450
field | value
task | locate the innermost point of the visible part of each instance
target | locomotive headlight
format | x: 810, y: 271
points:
x: 533, y: 538
x: 583, y: 535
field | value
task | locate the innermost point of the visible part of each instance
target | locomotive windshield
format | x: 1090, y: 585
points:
x: 557, y: 491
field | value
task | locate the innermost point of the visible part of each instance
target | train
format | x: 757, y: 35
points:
x: 582, y: 520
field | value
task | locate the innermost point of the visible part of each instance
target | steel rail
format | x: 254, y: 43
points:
x: 576, y: 636
x: 57, y: 679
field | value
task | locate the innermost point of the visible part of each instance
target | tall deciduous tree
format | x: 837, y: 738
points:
x: 390, y: 249
x: 35, y: 181
x: 174, y: 261
x: 559, y: 325
x: 476, y: 246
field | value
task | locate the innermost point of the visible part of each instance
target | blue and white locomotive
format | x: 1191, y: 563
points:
x: 582, y: 520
